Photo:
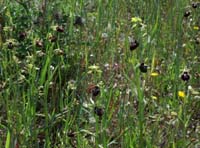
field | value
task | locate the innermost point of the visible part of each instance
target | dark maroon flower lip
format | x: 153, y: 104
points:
x: 133, y: 45
x: 71, y: 134
x: 79, y: 21
x: 185, y: 76
x: 39, y: 44
x: 10, y: 45
x: 194, y: 5
x: 22, y: 35
x: 187, y: 13
x: 59, y: 29
x: 52, y: 38
x: 98, y: 111
x: 94, y: 90
x: 143, y: 68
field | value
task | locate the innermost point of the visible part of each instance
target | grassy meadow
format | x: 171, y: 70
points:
x: 100, y: 74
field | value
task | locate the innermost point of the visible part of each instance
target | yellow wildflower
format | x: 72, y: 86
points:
x: 154, y: 97
x: 94, y: 68
x: 196, y: 28
x: 136, y: 20
x: 181, y: 94
x: 154, y: 74
x: 174, y: 113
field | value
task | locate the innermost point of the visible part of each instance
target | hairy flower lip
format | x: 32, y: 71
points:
x: 94, y: 90
x: 143, y: 68
x: 79, y: 21
x: 194, y: 5
x: 59, y: 29
x: 185, y: 76
x: 22, y: 35
x: 133, y: 45
x: 98, y: 111
x: 187, y: 13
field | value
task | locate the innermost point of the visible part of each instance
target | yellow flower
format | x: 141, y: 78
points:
x: 136, y: 19
x: 154, y: 97
x: 181, y: 94
x: 196, y: 28
x: 174, y: 113
x: 94, y: 68
x: 154, y: 74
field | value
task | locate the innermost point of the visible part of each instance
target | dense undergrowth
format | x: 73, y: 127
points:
x: 106, y: 73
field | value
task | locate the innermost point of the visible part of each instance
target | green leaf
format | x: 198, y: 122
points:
x: 8, y: 140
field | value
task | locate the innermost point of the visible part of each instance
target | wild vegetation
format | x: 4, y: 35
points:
x: 99, y: 73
